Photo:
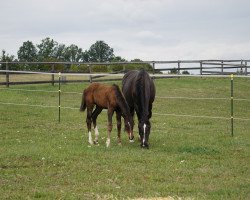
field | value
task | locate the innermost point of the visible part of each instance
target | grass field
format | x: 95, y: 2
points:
x: 189, y: 158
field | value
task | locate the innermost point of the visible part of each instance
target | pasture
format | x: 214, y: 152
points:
x: 188, y: 158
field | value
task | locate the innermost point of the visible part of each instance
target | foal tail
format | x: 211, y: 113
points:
x: 83, y: 104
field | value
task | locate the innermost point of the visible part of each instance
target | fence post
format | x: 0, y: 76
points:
x: 222, y: 67
x: 246, y: 68
x: 153, y: 66
x: 7, y: 75
x: 232, y: 105
x: 241, y: 67
x: 53, y: 75
x: 200, y: 67
x: 179, y: 67
x: 90, y: 71
x: 59, y: 97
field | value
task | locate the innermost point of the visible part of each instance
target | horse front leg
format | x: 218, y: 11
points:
x: 110, y: 114
x: 119, y: 125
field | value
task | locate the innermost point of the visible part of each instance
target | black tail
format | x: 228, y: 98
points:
x: 83, y: 104
x: 143, y: 92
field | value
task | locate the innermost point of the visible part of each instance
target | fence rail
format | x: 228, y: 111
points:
x: 59, y: 107
x: 199, y: 67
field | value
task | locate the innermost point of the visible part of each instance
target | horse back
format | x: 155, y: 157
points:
x: 100, y: 94
x: 128, y: 83
x: 138, y: 89
x: 146, y: 83
x: 133, y: 81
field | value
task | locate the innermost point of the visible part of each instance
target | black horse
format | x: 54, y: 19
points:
x: 139, y: 91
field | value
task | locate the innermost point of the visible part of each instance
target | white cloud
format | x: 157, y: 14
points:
x: 145, y: 29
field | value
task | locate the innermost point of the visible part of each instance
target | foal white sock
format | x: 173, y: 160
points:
x: 96, y: 134
x: 90, y: 138
x: 108, y: 142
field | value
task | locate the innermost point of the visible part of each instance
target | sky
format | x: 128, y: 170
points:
x: 157, y: 30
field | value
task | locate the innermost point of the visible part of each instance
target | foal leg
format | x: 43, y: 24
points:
x: 110, y: 114
x: 89, y: 121
x: 118, y: 120
x: 95, y: 114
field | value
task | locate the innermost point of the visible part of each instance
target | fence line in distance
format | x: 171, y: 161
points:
x: 165, y: 114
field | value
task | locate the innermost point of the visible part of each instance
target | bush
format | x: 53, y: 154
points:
x: 83, y: 69
x: 185, y: 72
x: 117, y: 68
x: 100, y: 68
x: 174, y: 71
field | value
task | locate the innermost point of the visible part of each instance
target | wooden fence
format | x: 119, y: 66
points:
x: 200, y: 67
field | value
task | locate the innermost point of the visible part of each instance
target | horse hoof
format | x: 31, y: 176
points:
x: 144, y: 146
x: 107, y: 142
x: 131, y: 141
x: 119, y: 143
x: 96, y: 143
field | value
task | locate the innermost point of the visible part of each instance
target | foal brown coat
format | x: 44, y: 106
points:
x: 107, y: 97
x: 101, y: 95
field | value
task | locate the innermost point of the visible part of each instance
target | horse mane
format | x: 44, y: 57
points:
x: 121, y: 101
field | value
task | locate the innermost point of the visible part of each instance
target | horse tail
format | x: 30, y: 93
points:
x: 83, y: 104
x: 142, y: 92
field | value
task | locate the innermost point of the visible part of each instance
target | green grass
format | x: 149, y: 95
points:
x: 188, y: 157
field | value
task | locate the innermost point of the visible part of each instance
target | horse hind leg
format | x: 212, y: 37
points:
x: 95, y: 114
x: 118, y: 120
x: 150, y: 110
x: 89, y: 121
x: 96, y: 135
x: 110, y: 114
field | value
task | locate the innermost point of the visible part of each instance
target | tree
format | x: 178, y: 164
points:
x: 46, y: 50
x: 118, y: 59
x: 27, y: 52
x: 73, y: 53
x: 100, y: 52
x: 59, y: 52
x: 85, y: 56
x: 7, y: 58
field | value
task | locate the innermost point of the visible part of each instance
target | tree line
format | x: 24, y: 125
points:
x: 51, y: 51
